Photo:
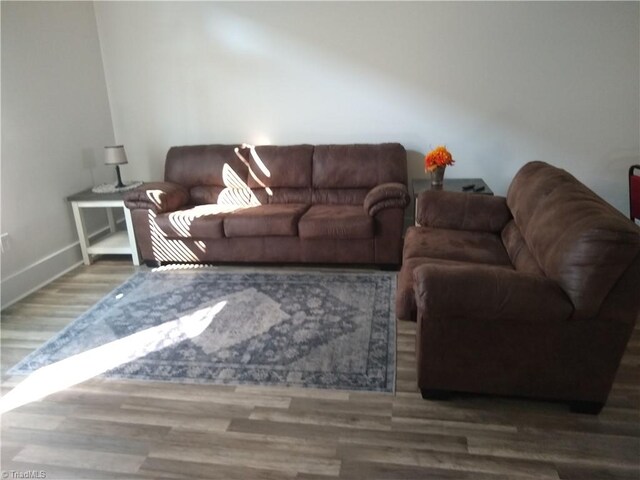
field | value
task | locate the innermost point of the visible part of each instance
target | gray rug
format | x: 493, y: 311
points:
x: 321, y: 330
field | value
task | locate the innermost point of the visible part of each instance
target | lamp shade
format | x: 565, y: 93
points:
x: 115, y: 155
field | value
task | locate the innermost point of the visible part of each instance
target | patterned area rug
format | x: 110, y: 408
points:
x: 321, y: 330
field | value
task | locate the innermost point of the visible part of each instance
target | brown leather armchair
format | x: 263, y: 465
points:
x: 534, y: 295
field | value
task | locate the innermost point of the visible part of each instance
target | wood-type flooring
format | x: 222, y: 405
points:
x: 126, y: 429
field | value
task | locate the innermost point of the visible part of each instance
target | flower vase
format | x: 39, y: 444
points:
x: 437, y: 176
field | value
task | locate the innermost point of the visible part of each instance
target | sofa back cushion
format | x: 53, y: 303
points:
x: 339, y: 196
x: 275, y: 166
x: 210, y: 165
x: 269, y: 196
x: 517, y: 249
x: 576, y: 238
x: 358, y: 166
x: 271, y: 174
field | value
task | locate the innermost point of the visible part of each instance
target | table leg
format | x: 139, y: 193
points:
x: 82, y: 233
x: 132, y: 237
x: 111, y: 220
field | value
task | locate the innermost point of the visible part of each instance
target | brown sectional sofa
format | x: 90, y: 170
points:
x: 291, y: 204
x: 535, y: 294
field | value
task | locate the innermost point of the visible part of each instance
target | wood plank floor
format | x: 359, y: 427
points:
x: 127, y: 430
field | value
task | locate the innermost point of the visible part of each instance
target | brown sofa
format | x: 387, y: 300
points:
x: 535, y: 294
x: 300, y: 203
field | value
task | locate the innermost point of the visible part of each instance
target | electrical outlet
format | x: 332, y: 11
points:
x: 4, y: 242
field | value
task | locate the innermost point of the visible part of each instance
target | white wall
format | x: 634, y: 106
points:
x: 499, y: 83
x: 55, y: 124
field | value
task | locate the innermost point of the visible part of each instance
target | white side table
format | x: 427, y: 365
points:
x: 117, y: 242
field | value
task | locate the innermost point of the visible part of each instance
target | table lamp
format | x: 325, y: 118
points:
x: 116, y: 156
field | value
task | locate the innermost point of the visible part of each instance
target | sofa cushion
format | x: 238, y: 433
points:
x: 339, y: 196
x: 462, y: 211
x: 358, y: 166
x: 238, y: 197
x: 197, y: 222
x: 519, y: 253
x: 205, y: 194
x: 264, y: 221
x: 274, y: 166
x: 457, y: 245
x: 576, y: 238
x: 336, y: 221
x: 217, y: 165
x: 282, y: 195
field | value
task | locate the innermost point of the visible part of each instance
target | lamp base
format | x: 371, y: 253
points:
x: 119, y: 184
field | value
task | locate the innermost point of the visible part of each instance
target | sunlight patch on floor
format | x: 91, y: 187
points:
x: 86, y: 365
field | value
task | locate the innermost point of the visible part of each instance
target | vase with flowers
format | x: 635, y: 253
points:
x: 435, y: 163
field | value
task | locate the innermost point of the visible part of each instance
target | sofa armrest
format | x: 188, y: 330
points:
x: 462, y: 211
x: 485, y: 292
x: 157, y: 196
x: 386, y: 195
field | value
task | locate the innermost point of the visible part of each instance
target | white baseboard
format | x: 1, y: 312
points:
x: 35, y: 276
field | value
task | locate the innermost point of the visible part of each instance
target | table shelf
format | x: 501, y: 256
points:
x: 115, y: 243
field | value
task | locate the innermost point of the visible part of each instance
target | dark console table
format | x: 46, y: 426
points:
x: 450, y: 185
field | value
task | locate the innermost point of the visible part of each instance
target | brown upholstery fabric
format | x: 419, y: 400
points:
x: 406, y: 308
x: 489, y: 293
x: 157, y: 196
x: 358, y: 166
x: 280, y: 166
x: 265, y: 220
x: 283, y: 195
x: 339, y: 196
x: 203, y: 194
x: 619, y: 306
x: 433, y: 245
x: 462, y: 211
x: 241, y: 249
x: 261, y: 222
x: 199, y: 222
x: 337, y: 250
x: 335, y: 221
x: 387, y: 242
x: 206, y: 165
x: 497, y: 330
x: 458, y: 245
x: 564, y: 360
x: 519, y: 253
x: 576, y: 238
x: 405, y: 297
x: 386, y: 195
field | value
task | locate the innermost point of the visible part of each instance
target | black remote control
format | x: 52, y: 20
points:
x: 478, y: 189
x: 469, y: 186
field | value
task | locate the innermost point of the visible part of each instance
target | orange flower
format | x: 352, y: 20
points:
x: 438, y: 157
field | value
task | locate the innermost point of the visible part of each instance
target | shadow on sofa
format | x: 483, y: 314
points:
x: 534, y: 295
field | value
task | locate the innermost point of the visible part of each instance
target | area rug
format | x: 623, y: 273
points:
x: 319, y: 330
